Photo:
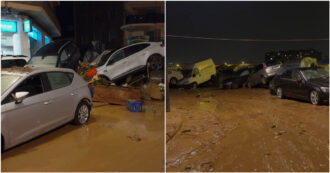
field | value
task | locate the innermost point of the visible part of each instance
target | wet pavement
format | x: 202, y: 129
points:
x: 245, y: 130
x: 114, y: 140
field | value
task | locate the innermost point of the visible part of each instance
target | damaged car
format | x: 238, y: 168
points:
x: 62, y: 53
x: 35, y: 101
x: 310, y: 84
x: 236, y: 80
x: 262, y: 74
x: 143, y: 57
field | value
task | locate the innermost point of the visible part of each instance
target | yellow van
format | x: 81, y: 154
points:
x: 198, y: 73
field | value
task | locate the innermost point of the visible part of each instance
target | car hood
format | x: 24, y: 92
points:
x: 322, y: 82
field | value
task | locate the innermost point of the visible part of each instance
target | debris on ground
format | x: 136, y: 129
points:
x: 115, y: 94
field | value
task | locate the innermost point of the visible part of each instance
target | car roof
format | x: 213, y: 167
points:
x: 23, y: 71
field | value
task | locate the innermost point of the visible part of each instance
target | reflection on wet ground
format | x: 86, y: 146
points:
x: 245, y: 130
x: 114, y: 140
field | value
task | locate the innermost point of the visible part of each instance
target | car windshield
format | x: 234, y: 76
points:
x: 47, y: 61
x: 7, y: 81
x: 51, y: 48
x: 104, y: 58
x: 316, y: 73
x: 187, y: 73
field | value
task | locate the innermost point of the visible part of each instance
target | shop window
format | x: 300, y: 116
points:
x: 35, y: 40
x: 47, y: 40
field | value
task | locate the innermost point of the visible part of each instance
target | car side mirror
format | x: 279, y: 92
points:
x: 20, y: 96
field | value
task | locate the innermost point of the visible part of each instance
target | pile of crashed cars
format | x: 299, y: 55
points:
x: 54, y: 83
x: 305, y: 77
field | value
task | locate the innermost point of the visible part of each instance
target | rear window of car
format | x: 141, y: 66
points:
x: 50, y: 49
x: 59, y: 79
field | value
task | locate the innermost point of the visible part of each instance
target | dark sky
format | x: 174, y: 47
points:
x: 243, y: 20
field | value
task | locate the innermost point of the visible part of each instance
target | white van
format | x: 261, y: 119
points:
x: 198, y: 73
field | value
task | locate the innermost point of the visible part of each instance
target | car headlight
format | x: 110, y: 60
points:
x: 325, y: 89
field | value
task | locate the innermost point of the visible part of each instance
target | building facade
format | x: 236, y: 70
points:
x: 27, y: 26
x: 144, y: 21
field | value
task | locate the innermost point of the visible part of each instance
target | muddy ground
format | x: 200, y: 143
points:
x: 245, y: 130
x: 114, y: 140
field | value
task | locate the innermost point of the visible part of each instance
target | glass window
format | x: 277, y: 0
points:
x: 7, y: 81
x: 43, y: 61
x: 64, y: 55
x: 296, y: 75
x: 119, y: 55
x: 47, y: 40
x: 33, y: 85
x: 12, y: 62
x: 59, y: 79
x: 134, y: 49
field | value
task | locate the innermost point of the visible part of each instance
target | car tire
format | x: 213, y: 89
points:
x: 314, y: 97
x: 279, y: 92
x: 173, y: 82
x: 82, y: 114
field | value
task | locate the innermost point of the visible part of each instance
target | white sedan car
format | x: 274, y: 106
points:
x: 131, y: 59
x: 34, y: 101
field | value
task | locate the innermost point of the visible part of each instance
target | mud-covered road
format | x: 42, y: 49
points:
x: 113, y: 140
x: 245, y: 130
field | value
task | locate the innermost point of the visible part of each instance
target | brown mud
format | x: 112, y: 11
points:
x: 113, y: 140
x: 245, y: 130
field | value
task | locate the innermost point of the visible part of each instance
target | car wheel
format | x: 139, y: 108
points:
x: 194, y: 85
x: 173, y: 81
x: 82, y: 114
x: 314, y: 97
x: 279, y: 93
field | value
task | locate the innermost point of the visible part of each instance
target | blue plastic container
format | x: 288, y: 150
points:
x: 134, y: 106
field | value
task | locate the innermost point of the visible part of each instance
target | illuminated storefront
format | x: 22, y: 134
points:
x: 19, y: 36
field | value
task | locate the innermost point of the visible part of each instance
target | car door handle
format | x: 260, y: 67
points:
x: 47, y: 102
x: 72, y: 94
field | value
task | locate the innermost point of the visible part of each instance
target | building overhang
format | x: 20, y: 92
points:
x: 49, y: 23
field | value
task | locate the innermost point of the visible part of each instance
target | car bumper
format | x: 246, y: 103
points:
x: 324, y: 97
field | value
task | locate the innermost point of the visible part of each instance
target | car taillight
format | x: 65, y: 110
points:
x: 162, y: 45
x: 265, y: 65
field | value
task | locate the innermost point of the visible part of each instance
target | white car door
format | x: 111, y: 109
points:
x: 136, y: 57
x: 24, y: 120
x: 116, y: 66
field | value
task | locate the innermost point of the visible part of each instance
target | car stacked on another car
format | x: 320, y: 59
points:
x: 310, y: 84
x: 263, y: 73
x: 34, y: 101
x: 132, y: 59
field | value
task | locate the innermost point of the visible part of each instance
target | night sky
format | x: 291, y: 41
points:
x: 243, y: 20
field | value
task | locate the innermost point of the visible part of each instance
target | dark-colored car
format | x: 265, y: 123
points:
x: 310, y: 84
x: 62, y: 53
x: 237, y: 79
